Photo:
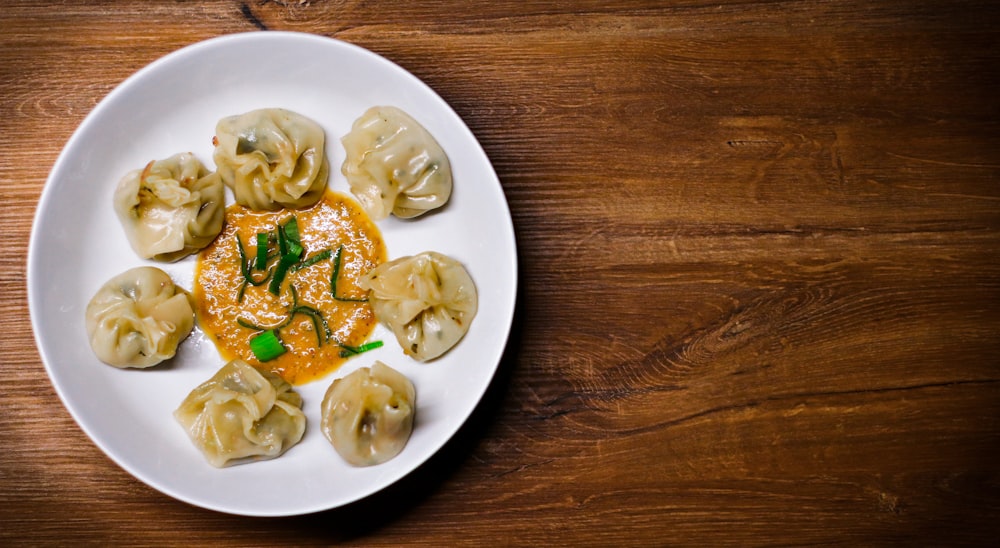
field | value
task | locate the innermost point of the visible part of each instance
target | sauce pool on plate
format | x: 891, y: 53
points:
x: 314, y: 319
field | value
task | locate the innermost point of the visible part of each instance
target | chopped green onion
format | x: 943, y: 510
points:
x: 348, y: 351
x: 282, y: 241
x: 322, y: 328
x: 262, y: 238
x: 250, y: 325
x: 245, y: 267
x: 293, y: 252
x: 243, y: 256
x: 267, y: 346
x: 314, y: 315
x: 321, y: 256
x: 279, y: 276
x: 336, y: 275
x: 291, y: 230
x: 317, y: 320
x: 288, y: 234
x: 245, y: 264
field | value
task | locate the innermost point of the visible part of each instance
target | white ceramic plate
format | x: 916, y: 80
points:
x: 172, y: 106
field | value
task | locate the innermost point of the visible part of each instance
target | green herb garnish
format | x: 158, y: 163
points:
x: 245, y: 267
x: 347, y: 351
x: 318, y: 321
x: 267, y: 346
x: 291, y: 230
x: 314, y: 315
x: 288, y: 258
x: 335, y: 277
x: 309, y: 261
x: 262, y: 239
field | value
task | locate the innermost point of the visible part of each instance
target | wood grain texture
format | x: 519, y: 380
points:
x: 759, y: 272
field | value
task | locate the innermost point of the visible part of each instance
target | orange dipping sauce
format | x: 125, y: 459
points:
x: 334, y: 221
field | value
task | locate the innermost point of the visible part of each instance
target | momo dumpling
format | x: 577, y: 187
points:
x: 368, y: 415
x: 394, y: 165
x: 242, y: 414
x: 171, y: 208
x: 138, y: 318
x: 272, y: 159
x: 427, y: 300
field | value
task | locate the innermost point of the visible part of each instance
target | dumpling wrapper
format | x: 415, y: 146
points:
x: 272, y: 158
x: 242, y: 414
x: 138, y: 318
x: 428, y: 301
x: 368, y: 415
x: 394, y: 165
x: 171, y: 208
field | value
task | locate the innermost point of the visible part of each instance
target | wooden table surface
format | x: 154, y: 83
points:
x: 759, y: 251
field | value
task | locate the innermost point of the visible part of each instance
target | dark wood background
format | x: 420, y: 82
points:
x: 759, y: 271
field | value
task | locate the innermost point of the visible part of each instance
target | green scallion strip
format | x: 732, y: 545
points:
x: 261, y: 251
x: 287, y: 235
x: 245, y: 267
x: 318, y: 321
x: 282, y: 241
x: 319, y: 334
x: 322, y: 328
x: 291, y: 230
x: 250, y: 281
x: 293, y: 252
x: 250, y: 325
x: 336, y: 275
x: 243, y: 257
x: 279, y: 276
x: 309, y: 261
x: 267, y: 346
x: 347, y: 351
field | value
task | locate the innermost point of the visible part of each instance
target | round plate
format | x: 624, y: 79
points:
x: 77, y: 244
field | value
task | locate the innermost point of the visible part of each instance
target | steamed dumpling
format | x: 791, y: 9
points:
x: 272, y: 159
x: 394, y: 165
x: 171, y: 208
x: 427, y: 300
x: 242, y: 414
x: 368, y: 415
x: 138, y: 318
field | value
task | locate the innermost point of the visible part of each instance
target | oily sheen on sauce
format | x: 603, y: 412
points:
x: 334, y: 221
